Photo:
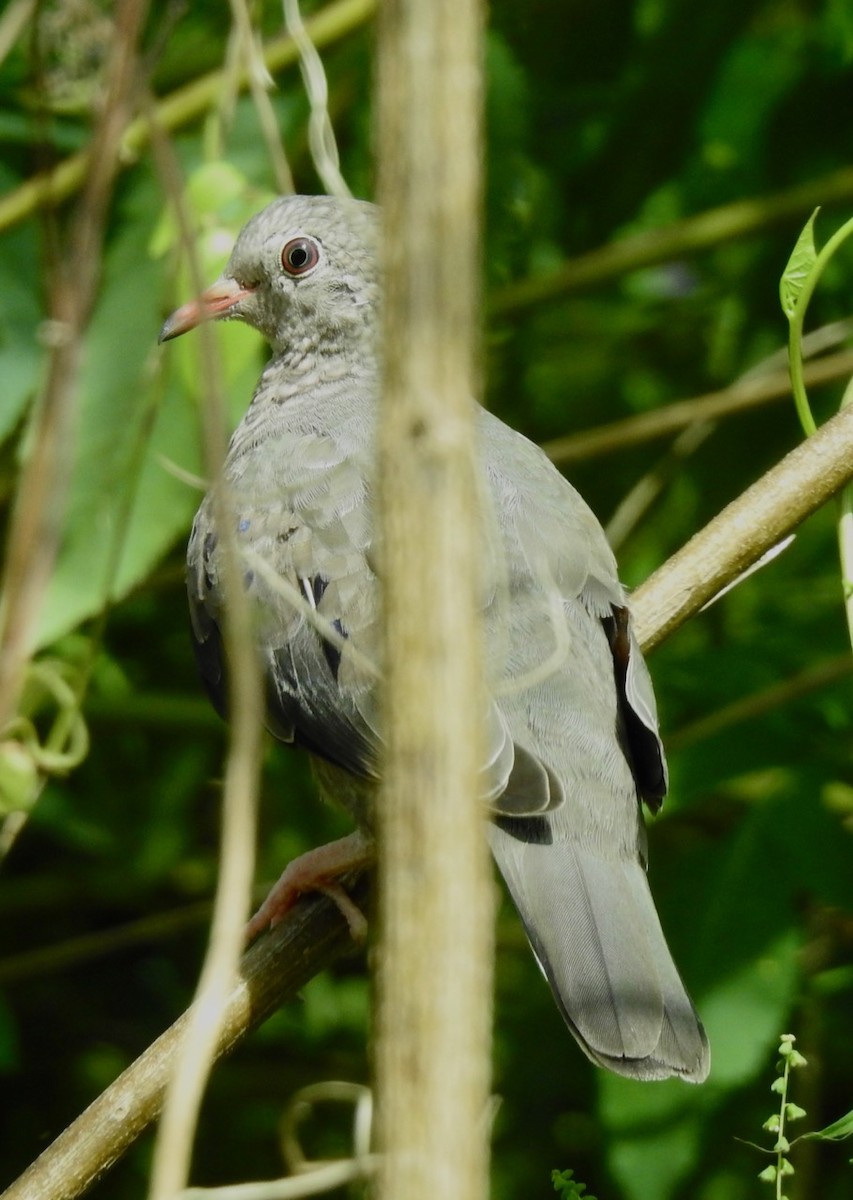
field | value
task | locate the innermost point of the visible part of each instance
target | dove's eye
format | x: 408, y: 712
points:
x: 300, y: 256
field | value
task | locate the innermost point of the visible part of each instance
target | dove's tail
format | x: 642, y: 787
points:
x: 594, y: 929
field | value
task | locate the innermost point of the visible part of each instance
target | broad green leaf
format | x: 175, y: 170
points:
x: 138, y: 412
x: 20, y: 315
x: 799, y: 266
x: 653, y: 1133
x: 113, y: 405
x: 744, y: 1014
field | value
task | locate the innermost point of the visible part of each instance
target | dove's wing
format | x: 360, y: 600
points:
x: 576, y: 696
x: 303, y: 521
x: 303, y: 526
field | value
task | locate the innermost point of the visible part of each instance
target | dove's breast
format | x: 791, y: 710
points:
x: 299, y: 497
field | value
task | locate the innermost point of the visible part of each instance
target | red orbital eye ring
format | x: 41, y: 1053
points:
x: 300, y: 256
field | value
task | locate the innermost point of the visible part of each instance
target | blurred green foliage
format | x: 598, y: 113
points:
x: 603, y: 121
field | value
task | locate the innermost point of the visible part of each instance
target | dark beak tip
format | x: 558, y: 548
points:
x: 214, y: 304
x: 177, y: 323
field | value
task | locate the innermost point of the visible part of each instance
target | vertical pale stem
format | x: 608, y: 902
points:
x: 435, y: 954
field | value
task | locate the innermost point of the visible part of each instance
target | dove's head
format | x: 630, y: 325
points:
x: 303, y: 272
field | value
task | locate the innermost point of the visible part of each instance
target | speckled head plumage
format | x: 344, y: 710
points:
x: 302, y: 270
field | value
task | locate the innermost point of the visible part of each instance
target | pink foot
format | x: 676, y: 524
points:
x: 318, y: 871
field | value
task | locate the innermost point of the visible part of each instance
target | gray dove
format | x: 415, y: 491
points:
x: 572, y: 735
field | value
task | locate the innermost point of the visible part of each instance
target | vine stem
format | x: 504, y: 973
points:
x: 780, y: 1136
x: 797, y: 319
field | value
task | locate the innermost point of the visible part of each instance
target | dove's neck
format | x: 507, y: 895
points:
x: 322, y: 394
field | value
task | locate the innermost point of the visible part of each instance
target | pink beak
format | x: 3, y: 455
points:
x: 217, y: 301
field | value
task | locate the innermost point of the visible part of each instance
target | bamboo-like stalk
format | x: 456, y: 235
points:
x: 434, y: 960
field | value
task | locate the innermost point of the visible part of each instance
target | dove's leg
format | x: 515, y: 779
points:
x: 318, y: 871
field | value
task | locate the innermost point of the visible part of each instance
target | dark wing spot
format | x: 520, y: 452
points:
x: 318, y: 587
x: 209, y: 656
x: 532, y: 830
x: 208, y: 546
x: 331, y: 653
x: 638, y: 743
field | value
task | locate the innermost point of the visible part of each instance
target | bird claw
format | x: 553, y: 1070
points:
x: 317, y: 871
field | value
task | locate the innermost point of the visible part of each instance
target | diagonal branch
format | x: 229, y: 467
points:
x: 750, y: 526
x: 273, y: 971
x: 315, y: 935
x: 174, y: 111
x: 744, y: 394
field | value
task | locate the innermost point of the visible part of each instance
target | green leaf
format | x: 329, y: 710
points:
x: 743, y: 1013
x: 570, y: 1189
x: 20, y: 315
x: 836, y: 1132
x: 114, y: 405
x: 138, y: 408
x: 799, y: 266
x: 653, y: 1133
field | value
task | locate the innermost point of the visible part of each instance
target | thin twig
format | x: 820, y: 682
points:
x: 678, y: 240
x: 634, y: 506
x: 197, y: 1049
x: 272, y: 971
x: 845, y: 535
x: 250, y: 54
x: 312, y: 1183
x: 321, y: 135
x: 74, y: 952
x: 747, y: 708
x: 661, y: 422
x: 34, y: 533
x: 13, y: 23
